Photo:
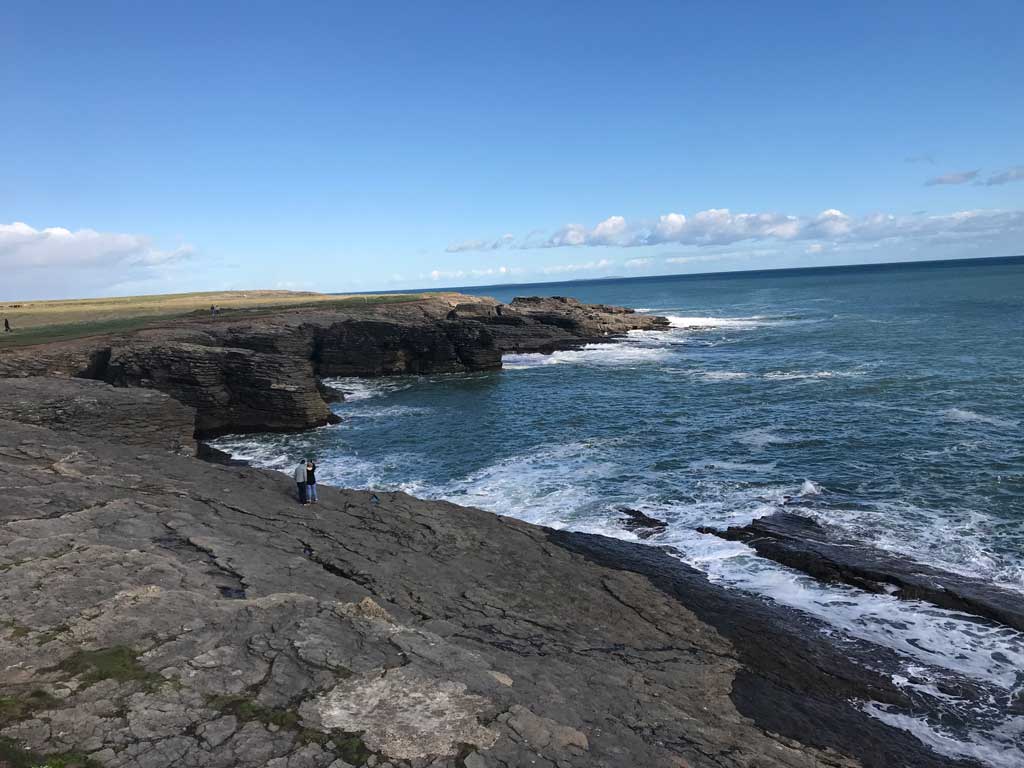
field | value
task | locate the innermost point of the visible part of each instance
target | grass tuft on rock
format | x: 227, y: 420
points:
x: 118, y: 663
x: 16, y: 708
x: 13, y: 756
x: 351, y: 748
x: 348, y: 746
x: 17, y: 630
x: 246, y: 710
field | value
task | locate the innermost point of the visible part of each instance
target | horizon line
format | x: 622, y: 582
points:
x: 683, y: 275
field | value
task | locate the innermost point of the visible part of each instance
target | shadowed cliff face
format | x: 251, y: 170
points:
x: 159, y: 611
x: 260, y: 373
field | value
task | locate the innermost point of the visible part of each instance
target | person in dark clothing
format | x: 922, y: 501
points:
x: 300, y: 482
x: 7, y: 325
x: 311, y: 496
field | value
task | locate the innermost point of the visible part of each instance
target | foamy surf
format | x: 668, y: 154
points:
x: 356, y: 389
x: 854, y: 405
x: 964, y: 416
x: 691, y: 323
x: 615, y: 354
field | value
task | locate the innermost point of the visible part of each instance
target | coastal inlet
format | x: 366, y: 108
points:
x: 882, y: 404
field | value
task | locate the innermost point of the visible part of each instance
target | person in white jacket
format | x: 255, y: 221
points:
x: 300, y: 481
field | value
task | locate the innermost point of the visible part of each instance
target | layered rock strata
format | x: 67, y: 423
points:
x: 261, y: 372
x: 92, y: 409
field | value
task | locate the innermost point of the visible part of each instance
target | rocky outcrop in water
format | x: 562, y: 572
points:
x: 261, y: 371
x: 644, y: 526
x: 547, y: 324
x: 803, y: 544
x: 159, y: 612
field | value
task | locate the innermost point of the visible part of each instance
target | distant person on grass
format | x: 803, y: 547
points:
x: 7, y: 325
x: 311, y: 482
x: 300, y: 481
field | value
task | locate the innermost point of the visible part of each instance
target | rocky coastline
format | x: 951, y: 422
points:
x: 160, y: 610
x: 259, y: 373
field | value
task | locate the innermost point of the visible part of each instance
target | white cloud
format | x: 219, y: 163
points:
x: 480, y: 245
x: 55, y: 261
x: 458, y: 274
x: 722, y: 227
x: 24, y: 246
x: 1011, y: 174
x: 637, y: 263
x: 590, y: 266
x: 961, y: 177
x: 709, y: 257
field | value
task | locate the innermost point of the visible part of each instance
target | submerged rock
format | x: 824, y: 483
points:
x: 642, y: 525
x: 803, y: 544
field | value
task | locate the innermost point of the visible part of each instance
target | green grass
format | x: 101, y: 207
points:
x: 17, y: 630
x: 117, y: 663
x: 351, y: 748
x: 348, y: 746
x: 246, y: 710
x: 16, y: 708
x: 46, y: 334
x: 13, y: 756
x: 44, y: 322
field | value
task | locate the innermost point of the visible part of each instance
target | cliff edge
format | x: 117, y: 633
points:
x: 159, y: 611
x: 254, y: 372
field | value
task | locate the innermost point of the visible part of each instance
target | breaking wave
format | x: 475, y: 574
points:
x: 964, y: 416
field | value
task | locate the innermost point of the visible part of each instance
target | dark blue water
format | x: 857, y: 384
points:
x: 883, y: 401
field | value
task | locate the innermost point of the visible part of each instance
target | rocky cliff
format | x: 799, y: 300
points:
x: 260, y: 372
x: 159, y: 612
x: 92, y: 409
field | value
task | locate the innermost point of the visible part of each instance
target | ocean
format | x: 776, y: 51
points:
x: 884, y: 401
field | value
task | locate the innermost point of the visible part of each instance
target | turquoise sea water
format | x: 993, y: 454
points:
x: 885, y: 401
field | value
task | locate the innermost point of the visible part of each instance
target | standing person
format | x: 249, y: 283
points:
x: 7, y: 325
x: 300, y: 482
x: 311, y: 482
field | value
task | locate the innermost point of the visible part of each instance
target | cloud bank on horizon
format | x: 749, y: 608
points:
x: 55, y: 262
x: 720, y: 226
x: 67, y: 263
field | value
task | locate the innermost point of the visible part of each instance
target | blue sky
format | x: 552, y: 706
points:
x: 337, y: 146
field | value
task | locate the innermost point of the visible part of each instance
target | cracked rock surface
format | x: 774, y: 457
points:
x: 159, y: 611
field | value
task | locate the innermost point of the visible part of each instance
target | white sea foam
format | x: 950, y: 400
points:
x: 999, y: 747
x: 810, y: 488
x: 357, y: 389
x: 965, y: 416
x: 724, y: 375
x: 759, y: 438
x: 387, y: 411
x: 733, y: 465
x: 701, y: 323
x: 617, y: 354
x: 952, y: 543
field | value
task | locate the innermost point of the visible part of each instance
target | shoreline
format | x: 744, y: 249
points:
x: 193, y: 609
x: 211, y: 563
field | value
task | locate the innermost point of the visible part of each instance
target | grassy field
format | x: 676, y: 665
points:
x: 38, y: 322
